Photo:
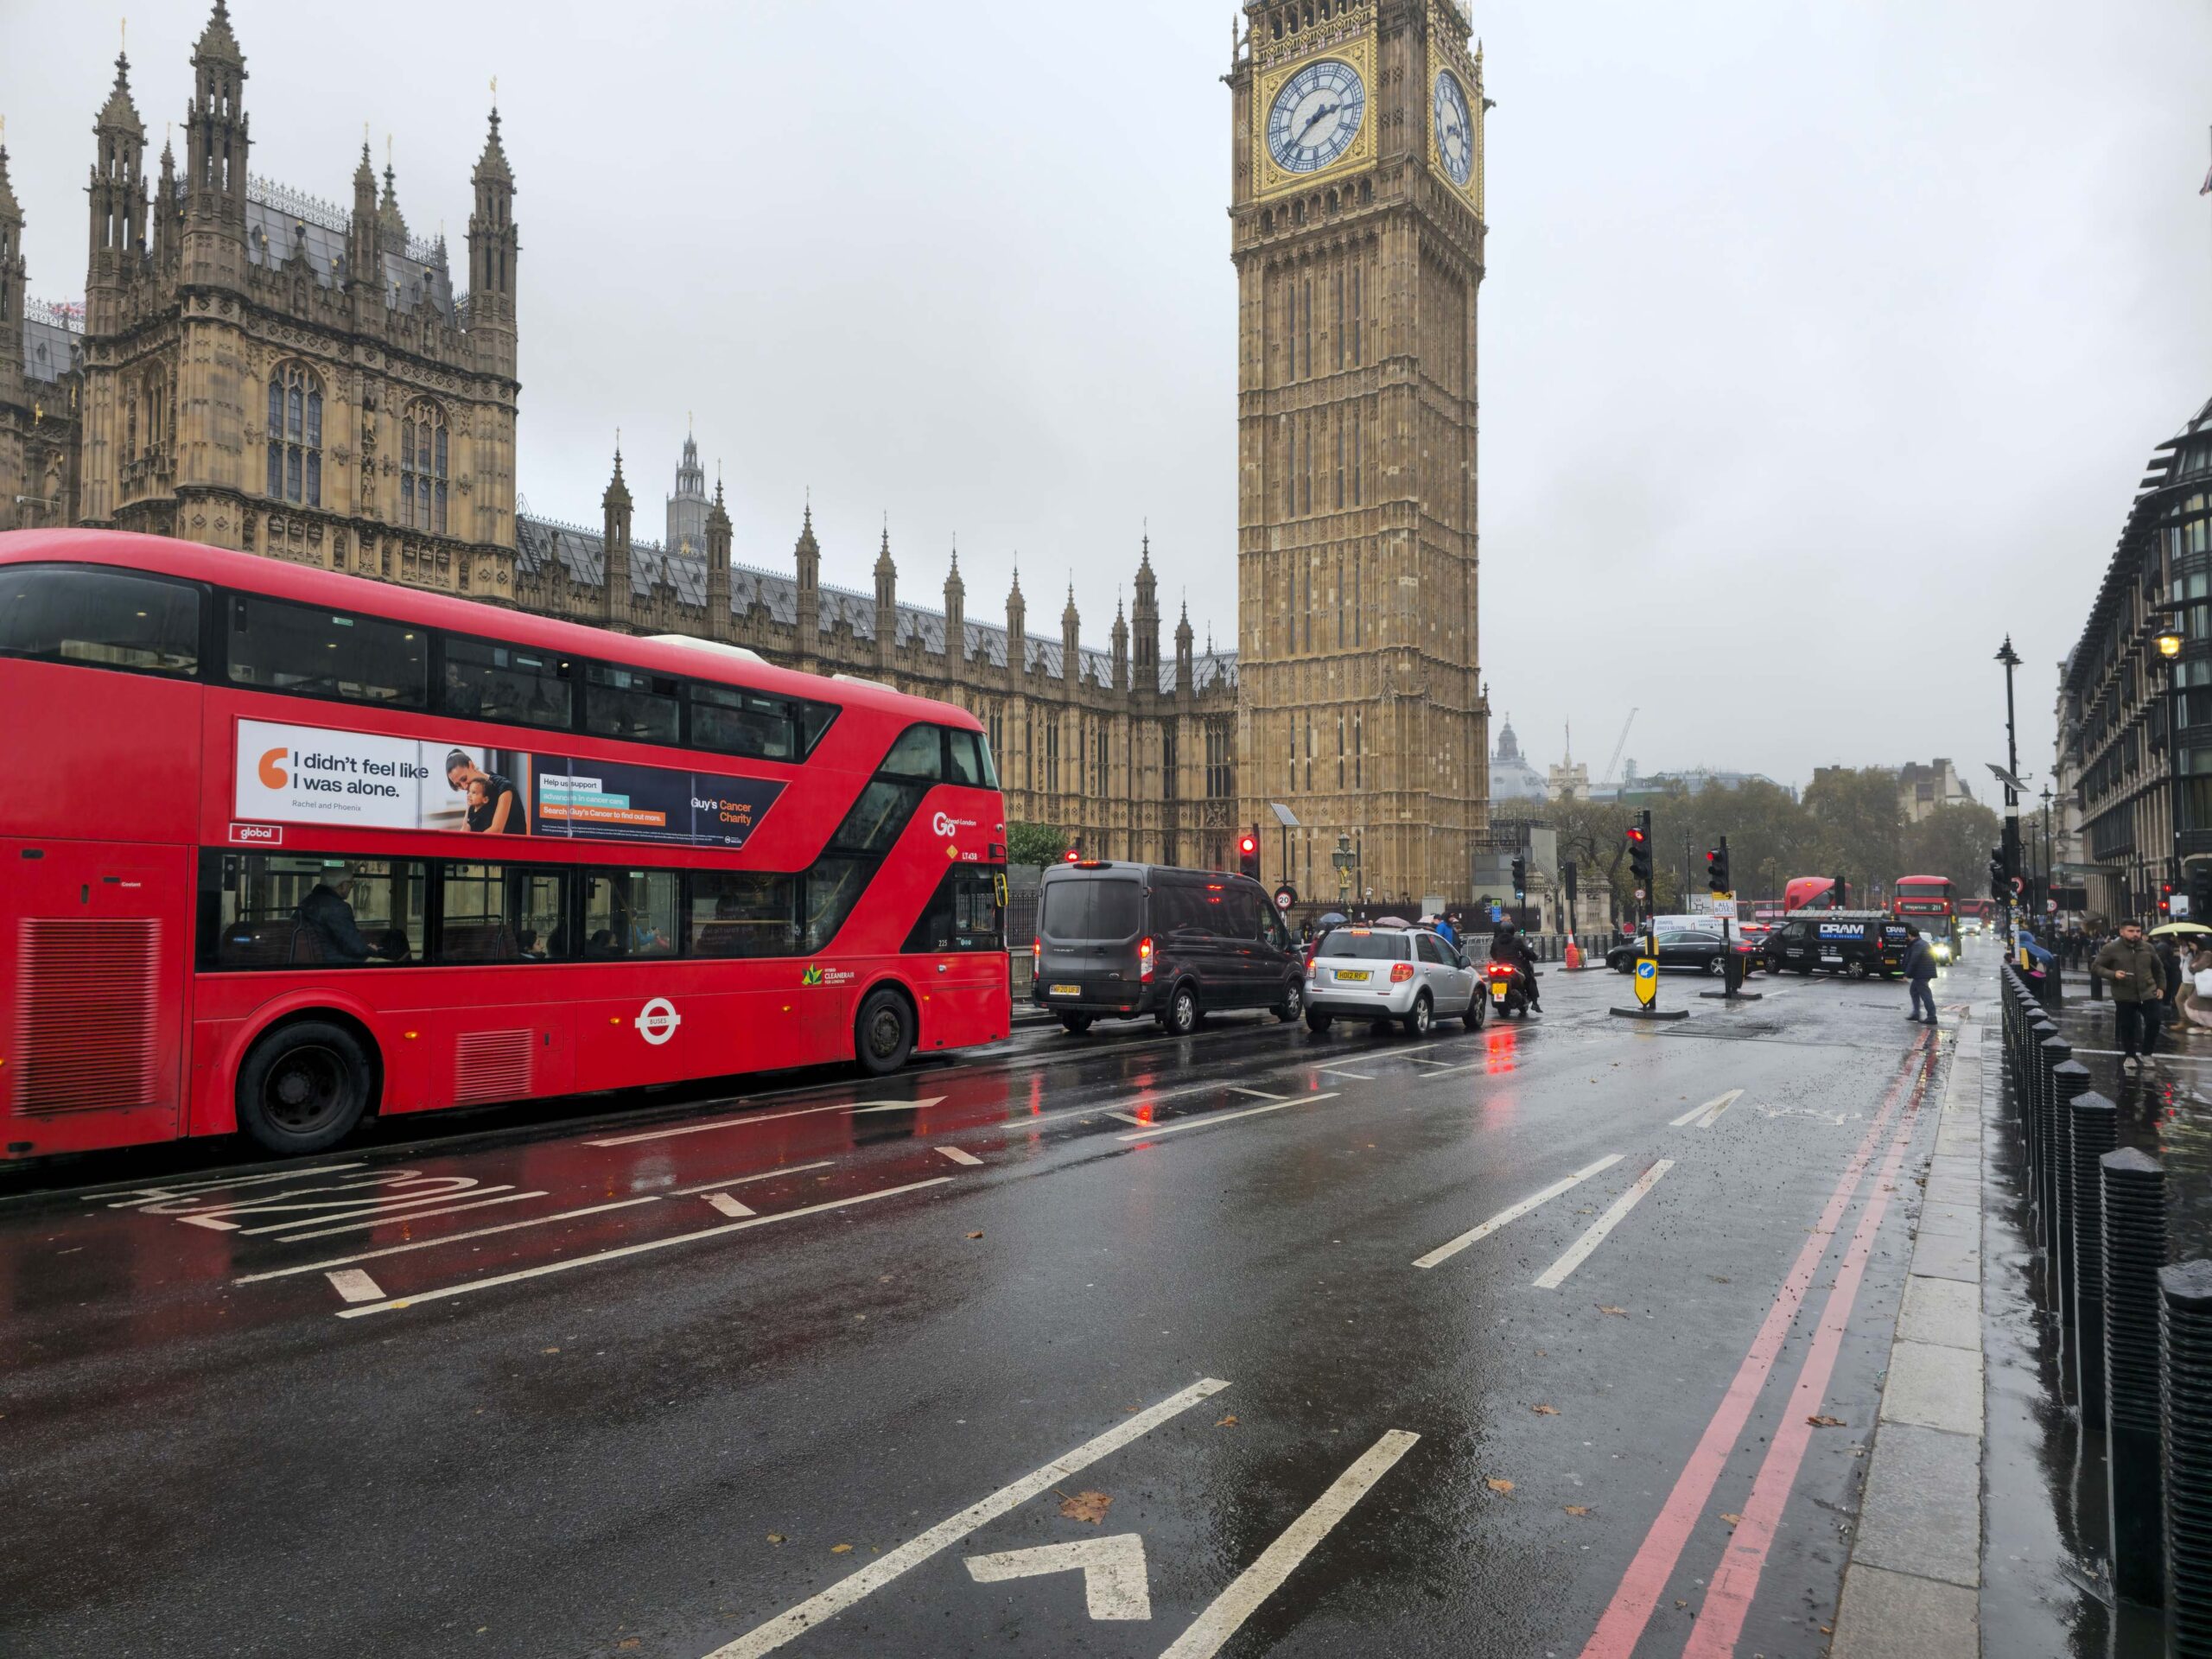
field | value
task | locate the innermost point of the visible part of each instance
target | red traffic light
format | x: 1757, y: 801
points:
x: 1073, y: 856
x: 1248, y: 845
x: 1636, y: 834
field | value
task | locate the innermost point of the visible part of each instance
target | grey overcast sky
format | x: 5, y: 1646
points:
x: 1822, y: 343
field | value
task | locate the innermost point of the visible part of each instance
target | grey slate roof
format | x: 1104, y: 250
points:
x: 540, y: 542
x: 272, y: 228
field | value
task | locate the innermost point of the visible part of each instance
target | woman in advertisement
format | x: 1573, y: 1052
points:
x: 495, y: 805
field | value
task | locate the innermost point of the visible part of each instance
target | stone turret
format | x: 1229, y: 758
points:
x: 1071, y: 642
x: 956, y: 617
x: 687, y: 508
x: 614, y: 508
x: 1017, y: 630
x: 1121, y: 649
x: 216, y: 148
x: 117, y: 195
x: 718, y: 540
x: 1147, y: 618
x: 493, y: 247
x: 808, y: 555
x: 887, y: 602
x: 1185, y: 663
x: 361, y: 268
x: 391, y: 223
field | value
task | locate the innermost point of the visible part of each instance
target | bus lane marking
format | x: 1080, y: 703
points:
x: 1579, y: 1252
x: 396, y: 1203
x: 796, y: 1621
x: 957, y: 1155
x: 741, y: 1121
x: 1260, y: 1094
x: 379, y: 1217
x: 354, y: 1286
x: 1211, y: 1630
x: 445, y: 1238
x: 1450, y: 1247
x: 464, y: 1288
x: 1337, y: 1071
x: 138, y: 1195
x: 1705, y: 1116
x: 1116, y: 1581
x: 726, y: 1204
x: 1212, y: 1118
x: 746, y: 1180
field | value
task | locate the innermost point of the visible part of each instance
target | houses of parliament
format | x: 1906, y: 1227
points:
x: 255, y: 368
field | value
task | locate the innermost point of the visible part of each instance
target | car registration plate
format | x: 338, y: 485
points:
x: 1065, y: 990
x: 1350, y: 976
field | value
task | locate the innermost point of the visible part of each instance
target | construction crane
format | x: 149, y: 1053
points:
x: 1614, y: 765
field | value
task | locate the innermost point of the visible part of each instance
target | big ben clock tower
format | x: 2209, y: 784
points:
x: 1357, y: 230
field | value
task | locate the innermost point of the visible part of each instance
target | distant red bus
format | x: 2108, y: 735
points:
x: 1811, y: 892
x: 1926, y: 899
x: 285, y: 848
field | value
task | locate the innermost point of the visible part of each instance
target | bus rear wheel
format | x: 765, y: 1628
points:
x: 304, y: 1087
x: 883, y: 1035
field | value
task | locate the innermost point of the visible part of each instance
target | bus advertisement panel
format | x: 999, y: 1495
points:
x: 314, y: 774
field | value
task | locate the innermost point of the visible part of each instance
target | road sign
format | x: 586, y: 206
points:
x: 1647, y: 980
x: 2178, y: 904
x: 1285, y: 896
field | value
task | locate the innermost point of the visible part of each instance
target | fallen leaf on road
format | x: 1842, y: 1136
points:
x: 1733, y: 1520
x: 775, y: 1537
x: 1545, y: 1411
x: 1087, y: 1506
x: 1617, y: 1312
x: 548, y: 1350
x: 1228, y: 1421
x: 840, y: 1549
x: 1825, y: 1423
x: 1578, y: 1508
x: 626, y: 1641
x: 977, y: 1234
x: 1497, y: 1485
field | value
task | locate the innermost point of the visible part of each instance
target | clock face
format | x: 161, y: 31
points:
x: 1455, y: 130
x: 1316, y: 116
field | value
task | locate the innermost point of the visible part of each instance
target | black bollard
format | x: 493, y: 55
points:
x: 2054, y: 1185
x: 2185, y: 1415
x: 2094, y: 1123
x: 2135, y: 1249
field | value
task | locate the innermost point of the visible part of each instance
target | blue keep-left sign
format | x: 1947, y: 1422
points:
x: 1646, y: 980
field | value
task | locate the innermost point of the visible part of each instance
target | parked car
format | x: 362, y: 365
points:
x: 1682, y: 947
x: 1408, y: 975
x: 1121, y: 940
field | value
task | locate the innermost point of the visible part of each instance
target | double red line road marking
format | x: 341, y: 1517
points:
x: 1720, y: 1620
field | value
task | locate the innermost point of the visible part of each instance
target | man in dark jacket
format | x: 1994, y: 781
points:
x: 1920, y: 974
x: 2139, y: 989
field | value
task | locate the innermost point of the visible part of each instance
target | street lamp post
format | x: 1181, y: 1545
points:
x: 2011, y: 658
x: 2050, y: 875
x: 2168, y: 642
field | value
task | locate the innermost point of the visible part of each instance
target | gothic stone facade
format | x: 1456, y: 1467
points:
x: 1358, y: 231
x: 258, y: 370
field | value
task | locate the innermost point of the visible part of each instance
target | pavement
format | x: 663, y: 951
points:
x: 1567, y: 1337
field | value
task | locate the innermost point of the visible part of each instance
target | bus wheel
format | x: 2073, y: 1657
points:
x: 304, y: 1087
x: 883, y: 1036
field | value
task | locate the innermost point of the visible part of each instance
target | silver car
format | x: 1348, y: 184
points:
x: 1408, y: 975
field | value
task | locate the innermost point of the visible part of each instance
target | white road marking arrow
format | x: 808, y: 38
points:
x: 1113, y: 1577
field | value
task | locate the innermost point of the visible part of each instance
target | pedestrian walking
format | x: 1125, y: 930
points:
x: 1920, y: 974
x: 2138, y: 991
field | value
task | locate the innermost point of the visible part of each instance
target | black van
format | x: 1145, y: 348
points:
x: 1121, y: 940
x: 1855, y: 943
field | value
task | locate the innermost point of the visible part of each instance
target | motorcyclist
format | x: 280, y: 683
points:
x: 1506, y: 946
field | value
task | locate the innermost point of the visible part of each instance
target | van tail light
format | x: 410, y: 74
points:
x: 1036, y: 955
x: 1144, y: 961
x: 1402, y: 972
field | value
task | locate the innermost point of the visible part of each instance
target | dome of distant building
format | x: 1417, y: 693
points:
x: 1511, y: 778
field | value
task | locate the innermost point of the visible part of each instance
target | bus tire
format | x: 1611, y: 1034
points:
x: 883, y: 1032
x: 305, y: 1086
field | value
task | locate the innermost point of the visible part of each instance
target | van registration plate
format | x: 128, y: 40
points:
x: 1065, y: 990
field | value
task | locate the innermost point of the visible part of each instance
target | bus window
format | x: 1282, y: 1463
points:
x: 817, y: 718
x: 507, y: 684
x: 963, y: 915
x: 109, y: 618
x: 967, y: 760
x: 742, y: 913
x: 744, y: 723
x: 502, y: 912
x: 282, y: 647
x: 877, y: 817
x: 917, y: 754
x: 630, y: 915
x: 626, y: 703
x: 833, y: 888
x: 273, y: 909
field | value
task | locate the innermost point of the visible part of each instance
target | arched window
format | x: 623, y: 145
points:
x: 423, y: 468
x: 295, y: 436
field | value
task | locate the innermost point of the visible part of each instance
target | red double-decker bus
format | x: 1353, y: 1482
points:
x: 1925, y: 900
x: 284, y: 848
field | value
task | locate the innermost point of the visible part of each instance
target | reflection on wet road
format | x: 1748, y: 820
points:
x: 1256, y: 1341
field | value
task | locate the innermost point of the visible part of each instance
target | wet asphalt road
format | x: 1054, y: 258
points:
x: 771, y: 1373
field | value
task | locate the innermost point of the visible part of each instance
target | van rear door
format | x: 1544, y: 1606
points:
x: 1088, y: 925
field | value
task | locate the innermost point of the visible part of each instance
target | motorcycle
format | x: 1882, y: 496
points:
x: 1509, y: 989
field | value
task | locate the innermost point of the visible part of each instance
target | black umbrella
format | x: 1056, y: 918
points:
x: 1334, y: 919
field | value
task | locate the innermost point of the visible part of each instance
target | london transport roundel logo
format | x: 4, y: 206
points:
x: 657, y: 1020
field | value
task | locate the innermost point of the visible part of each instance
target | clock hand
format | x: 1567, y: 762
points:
x: 1314, y: 119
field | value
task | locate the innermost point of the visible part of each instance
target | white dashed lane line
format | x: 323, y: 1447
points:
x: 746, y: 1180
x: 959, y: 1156
x: 1705, y: 1116
x: 725, y: 1205
x: 433, y: 1243
x: 1579, y: 1252
x: 1450, y: 1247
x: 354, y: 1286
x: 1212, y: 1118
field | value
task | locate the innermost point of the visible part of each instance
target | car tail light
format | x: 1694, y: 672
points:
x: 1402, y: 973
x: 1144, y: 961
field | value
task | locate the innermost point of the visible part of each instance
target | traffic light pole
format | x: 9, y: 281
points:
x: 1645, y: 875
x: 1721, y: 885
